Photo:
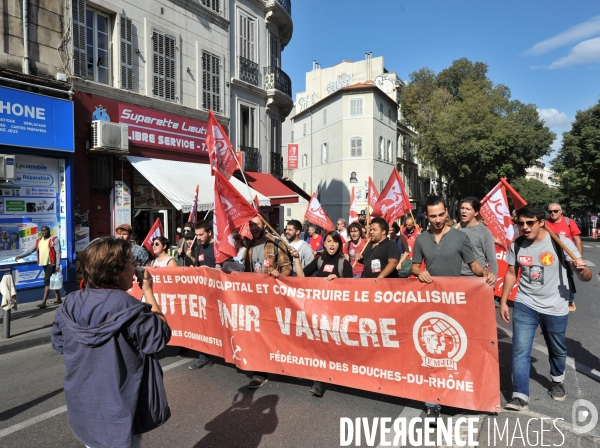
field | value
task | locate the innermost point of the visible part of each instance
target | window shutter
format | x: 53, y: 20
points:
x: 211, y: 87
x: 79, y: 45
x: 251, y: 40
x: 359, y: 152
x: 126, y: 54
x: 353, y: 147
x: 169, y: 68
x: 158, y: 64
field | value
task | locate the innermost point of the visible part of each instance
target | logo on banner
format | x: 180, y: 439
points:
x: 235, y: 351
x: 546, y: 258
x: 440, y: 340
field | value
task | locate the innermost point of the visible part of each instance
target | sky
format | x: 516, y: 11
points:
x: 547, y: 52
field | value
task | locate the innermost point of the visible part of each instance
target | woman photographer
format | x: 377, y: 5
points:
x: 113, y: 381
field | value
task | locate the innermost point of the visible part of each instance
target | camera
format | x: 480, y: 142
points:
x: 139, y: 274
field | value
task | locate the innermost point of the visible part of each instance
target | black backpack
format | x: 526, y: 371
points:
x: 560, y: 253
x: 340, y: 264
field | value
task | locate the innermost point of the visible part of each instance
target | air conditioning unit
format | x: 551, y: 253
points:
x: 109, y: 137
x: 7, y: 167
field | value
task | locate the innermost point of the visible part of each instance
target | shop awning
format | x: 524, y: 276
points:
x: 292, y: 186
x: 177, y: 182
x: 271, y: 187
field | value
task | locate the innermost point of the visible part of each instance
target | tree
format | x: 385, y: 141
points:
x: 470, y: 130
x: 577, y: 165
x: 536, y: 192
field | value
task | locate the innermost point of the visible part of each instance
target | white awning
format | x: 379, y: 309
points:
x: 177, y: 182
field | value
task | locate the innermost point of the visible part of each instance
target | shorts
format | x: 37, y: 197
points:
x: 48, y: 271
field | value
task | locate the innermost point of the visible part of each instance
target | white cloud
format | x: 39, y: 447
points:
x: 555, y: 119
x: 574, y: 34
x: 586, y: 52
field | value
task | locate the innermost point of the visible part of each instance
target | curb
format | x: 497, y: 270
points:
x: 15, y: 344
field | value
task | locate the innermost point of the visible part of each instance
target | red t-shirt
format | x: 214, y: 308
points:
x: 350, y: 249
x: 561, y: 227
x: 316, y: 243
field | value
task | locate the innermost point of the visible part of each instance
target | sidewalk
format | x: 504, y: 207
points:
x: 29, y: 326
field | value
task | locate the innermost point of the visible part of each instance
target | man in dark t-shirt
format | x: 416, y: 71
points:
x: 381, y: 255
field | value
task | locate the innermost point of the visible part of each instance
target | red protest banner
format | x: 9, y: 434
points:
x: 316, y: 215
x: 373, y: 195
x: 393, y: 202
x: 220, y: 151
x: 398, y: 337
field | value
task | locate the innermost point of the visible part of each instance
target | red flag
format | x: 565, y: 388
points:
x: 316, y: 215
x: 156, y: 230
x: 223, y: 240
x: 193, y: 212
x: 393, y: 202
x: 220, y: 151
x: 495, y: 211
x: 256, y: 203
x: 236, y: 208
x: 245, y: 231
x: 518, y: 201
x: 373, y: 194
x: 353, y: 213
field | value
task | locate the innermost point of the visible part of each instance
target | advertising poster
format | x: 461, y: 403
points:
x: 122, y: 204
x: 148, y: 196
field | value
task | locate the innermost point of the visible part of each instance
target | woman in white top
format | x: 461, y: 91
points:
x: 159, y: 246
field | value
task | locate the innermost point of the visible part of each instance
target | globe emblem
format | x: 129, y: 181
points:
x: 440, y: 340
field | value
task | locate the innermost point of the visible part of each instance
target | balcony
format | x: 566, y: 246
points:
x: 248, y: 71
x: 279, y: 12
x: 251, y: 158
x: 279, y: 90
x: 276, y: 164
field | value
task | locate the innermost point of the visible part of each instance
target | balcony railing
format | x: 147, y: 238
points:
x: 252, y: 158
x: 249, y: 71
x: 287, y: 5
x: 275, y: 78
x: 276, y: 164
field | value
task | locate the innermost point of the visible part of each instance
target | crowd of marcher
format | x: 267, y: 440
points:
x: 101, y: 328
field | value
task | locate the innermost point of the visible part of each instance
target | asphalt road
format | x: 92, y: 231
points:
x: 213, y: 408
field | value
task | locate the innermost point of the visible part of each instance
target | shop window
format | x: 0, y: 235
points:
x: 211, y: 82
x: 163, y: 66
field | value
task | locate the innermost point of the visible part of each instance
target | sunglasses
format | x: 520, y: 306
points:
x: 553, y: 211
x: 156, y: 243
x: 529, y: 223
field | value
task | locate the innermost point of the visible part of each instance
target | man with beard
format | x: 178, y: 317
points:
x: 381, y: 255
x: 266, y: 254
x: 303, y: 249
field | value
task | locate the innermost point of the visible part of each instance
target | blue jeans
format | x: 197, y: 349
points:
x: 203, y: 358
x: 525, y: 323
x: 571, y: 297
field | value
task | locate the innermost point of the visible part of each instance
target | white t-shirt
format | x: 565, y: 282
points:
x: 543, y: 285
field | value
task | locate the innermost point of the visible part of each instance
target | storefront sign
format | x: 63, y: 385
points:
x: 292, y: 156
x: 148, y: 127
x: 36, y: 121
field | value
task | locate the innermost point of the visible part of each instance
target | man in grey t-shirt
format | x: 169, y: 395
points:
x: 303, y: 251
x: 542, y: 300
x: 443, y: 249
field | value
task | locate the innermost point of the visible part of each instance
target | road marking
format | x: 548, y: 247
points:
x: 53, y: 413
x: 589, y: 263
x: 581, y: 368
x: 407, y: 413
x: 597, y: 245
x: 598, y: 277
x: 32, y: 421
x: 585, y: 245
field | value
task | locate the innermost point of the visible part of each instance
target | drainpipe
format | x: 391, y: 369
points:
x: 25, y: 38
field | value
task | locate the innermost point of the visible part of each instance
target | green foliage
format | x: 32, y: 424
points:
x: 577, y: 165
x: 536, y: 192
x: 470, y: 130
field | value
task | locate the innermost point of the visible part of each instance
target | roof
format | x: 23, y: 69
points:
x: 277, y: 192
x: 177, y: 182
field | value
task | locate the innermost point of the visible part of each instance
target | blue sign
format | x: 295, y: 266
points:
x: 36, y: 121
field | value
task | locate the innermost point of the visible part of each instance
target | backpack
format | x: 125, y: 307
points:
x: 560, y: 253
x: 340, y: 264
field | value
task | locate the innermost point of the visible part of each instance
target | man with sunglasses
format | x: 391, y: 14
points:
x: 561, y: 225
x: 541, y: 300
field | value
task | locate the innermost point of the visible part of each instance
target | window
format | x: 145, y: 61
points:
x: 79, y: 32
x: 304, y: 186
x: 126, y: 54
x: 163, y: 66
x: 247, y: 32
x: 304, y: 163
x: 380, y: 148
x: 304, y: 129
x: 211, y: 82
x: 325, y: 153
x: 97, y: 40
x: 380, y: 107
x: 274, y: 51
x: 213, y: 5
x: 289, y: 212
x: 389, y: 115
x: 292, y: 137
x: 380, y: 186
x: 324, y: 117
x: 247, y: 126
x: 390, y: 151
x: 356, y: 107
x: 356, y: 147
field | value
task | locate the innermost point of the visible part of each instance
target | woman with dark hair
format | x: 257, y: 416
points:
x: 480, y: 236
x: 330, y: 264
x: 160, y: 244
x: 356, y: 235
x: 113, y: 381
